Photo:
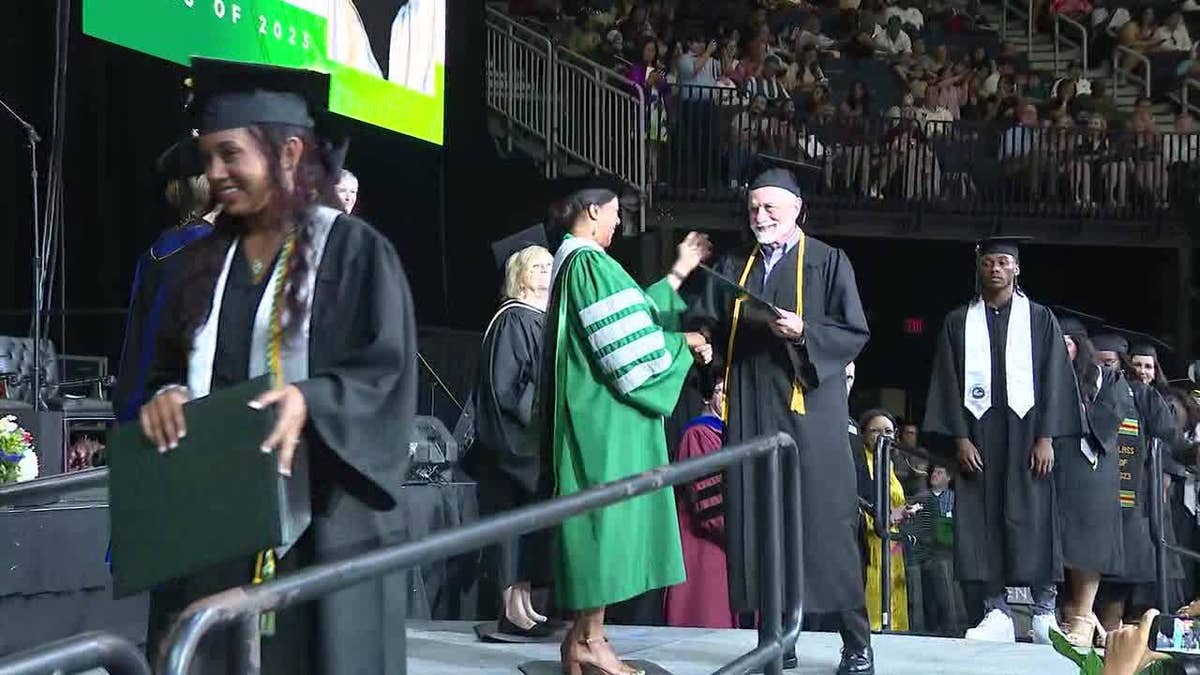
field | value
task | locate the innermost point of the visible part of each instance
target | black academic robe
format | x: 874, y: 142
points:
x: 762, y: 369
x: 1005, y: 523
x: 1089, y: 511
x: 1151, y: 418
x: 510, y: 358
x: 151, y: 277
x: 866, y: 491
x: 361, y: 399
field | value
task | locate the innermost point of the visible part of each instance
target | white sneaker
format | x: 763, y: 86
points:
x: 995, y: 627
x: 1042, y: 625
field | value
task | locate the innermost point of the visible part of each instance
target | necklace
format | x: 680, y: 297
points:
x: 257, y: 267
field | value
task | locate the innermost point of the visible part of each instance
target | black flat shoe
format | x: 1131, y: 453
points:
x: 857, y: 662
x: 539, y: 630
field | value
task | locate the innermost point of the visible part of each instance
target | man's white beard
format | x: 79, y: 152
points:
x: 773, y: 235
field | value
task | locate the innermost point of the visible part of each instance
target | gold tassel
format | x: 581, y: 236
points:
x: 264, y: 570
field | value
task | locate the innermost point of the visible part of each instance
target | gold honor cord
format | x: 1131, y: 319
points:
x: 264, y: 562
x: 797, y: 402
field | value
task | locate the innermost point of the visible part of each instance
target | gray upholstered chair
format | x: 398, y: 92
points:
x: 74, y: 384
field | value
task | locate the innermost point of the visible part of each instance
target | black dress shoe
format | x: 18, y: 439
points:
x: 857, y: 662
x: 539, y: 630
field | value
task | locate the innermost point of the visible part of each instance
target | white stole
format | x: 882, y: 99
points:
x: 1018, y: 358
x: 570, y: 245
x: 294, y: 354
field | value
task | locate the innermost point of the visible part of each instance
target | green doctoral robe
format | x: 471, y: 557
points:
x: 612, y: 370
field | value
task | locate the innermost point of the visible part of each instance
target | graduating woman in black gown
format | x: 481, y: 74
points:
x: 1088, y: 482
x: 288, y: 286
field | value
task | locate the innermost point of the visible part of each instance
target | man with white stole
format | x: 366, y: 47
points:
x: 1001, y: 390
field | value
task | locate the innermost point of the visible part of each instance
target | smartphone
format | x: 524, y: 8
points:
x: 1175, y: 635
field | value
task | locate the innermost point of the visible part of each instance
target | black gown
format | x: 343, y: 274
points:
x: 361, y: 399
x: 507, y: 473
x: 154, y: 271
x: 763, y: 368
x: 1005, y: 522
x: 1089, y: 511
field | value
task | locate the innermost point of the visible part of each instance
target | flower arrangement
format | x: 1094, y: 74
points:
x: 18, y: 461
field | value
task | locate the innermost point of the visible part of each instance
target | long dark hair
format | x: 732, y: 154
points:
x: 1085, y: 365
x: 190, y: 295
x: 1160, y: 378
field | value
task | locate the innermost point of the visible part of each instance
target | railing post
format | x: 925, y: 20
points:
x: 771, y: 591
x: 249, y: 644
x: 1156, y: 522
x: 1056, y: 38
x: 883, y: 472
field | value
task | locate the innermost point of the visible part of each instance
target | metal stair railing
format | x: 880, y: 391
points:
x: 575, y: 108
x: 1118, y: 73
x: 1061, y: 39
x: 116, y: 655
x: 1023, y: 13
x: 520, y: 82
x: 781, y: 554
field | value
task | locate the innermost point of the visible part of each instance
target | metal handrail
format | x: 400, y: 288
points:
x: 574, y: 107
x: 1117, y: 72
x: 1020, y: 12
x: 781, y: 585
x: 86, y: 651
x: 53, y: 485
x: 522, y: 58
x: 1158, y: 528
x: 883, y: 512
x: 1082, y: 45
x: 1184, y: 102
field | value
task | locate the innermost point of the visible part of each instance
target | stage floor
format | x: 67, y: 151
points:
x: 445, y: 647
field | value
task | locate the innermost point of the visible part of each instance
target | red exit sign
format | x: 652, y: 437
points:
x: 914, y: 325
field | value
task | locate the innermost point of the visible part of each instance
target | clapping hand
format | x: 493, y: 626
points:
x: 693, y: 250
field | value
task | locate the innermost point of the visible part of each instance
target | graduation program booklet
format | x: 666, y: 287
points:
x: 216, y: 497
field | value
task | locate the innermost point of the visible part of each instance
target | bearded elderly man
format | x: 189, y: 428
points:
x: 785, y: 371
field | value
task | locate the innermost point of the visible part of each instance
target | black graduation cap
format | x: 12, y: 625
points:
x: 1009, y: 244
x: 506, y: 247
x: 234, y: 94
x: 1109, y: 341
x: 181, y: 160
x: 779, y: 172
x: 1141, y: 344
x: 1074, y: 322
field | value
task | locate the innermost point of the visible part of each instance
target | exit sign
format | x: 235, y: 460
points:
x: 914, y: 325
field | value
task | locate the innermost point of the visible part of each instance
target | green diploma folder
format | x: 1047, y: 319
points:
x: 216, y: 497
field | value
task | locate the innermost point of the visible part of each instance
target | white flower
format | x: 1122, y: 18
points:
x: 27, y: 468
x: 8, y: 424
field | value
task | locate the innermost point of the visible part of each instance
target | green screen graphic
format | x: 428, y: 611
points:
x: 396, y: 83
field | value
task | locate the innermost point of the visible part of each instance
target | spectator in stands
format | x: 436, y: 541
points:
x: 648, y: 74
x: 811, y: 36
x: 1142, y: 146
x: 934, y: 117
x: 857, y: 105
x: 750, y: 130
x: 1139, y: 35
x: 820, y: 106
x: 1098, y: 103
x: 1103, y: 164
x: 697, y: 68
x: 768, y: 83
x: 729, y: 61
x: 752, y: 62
x: 806, y: 74
x: 1019, y: 152
x: 1173, y: 35
x: 909, y: 169
x: 636, y: 25
x: 893, y: 41
x: 909, y: 14
x: 1180, y: 153
x: 940, y: 61
x: 1076, y: 10
x: 872, y: 425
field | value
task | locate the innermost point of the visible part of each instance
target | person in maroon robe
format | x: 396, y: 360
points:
x: 703, y: 599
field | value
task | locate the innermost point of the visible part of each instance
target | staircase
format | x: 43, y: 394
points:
x: 1040, y: 53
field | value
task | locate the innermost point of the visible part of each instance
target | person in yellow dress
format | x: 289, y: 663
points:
x: 872, y: 425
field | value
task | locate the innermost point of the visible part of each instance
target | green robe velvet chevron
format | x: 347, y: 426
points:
x: 617, y: 370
